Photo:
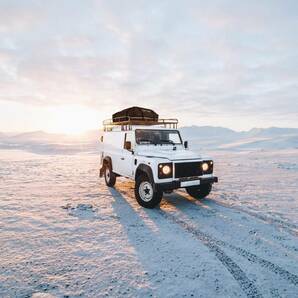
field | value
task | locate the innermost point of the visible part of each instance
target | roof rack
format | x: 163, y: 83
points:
x: 109, y: 124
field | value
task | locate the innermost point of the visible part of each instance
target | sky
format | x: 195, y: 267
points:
x: 65, y: 65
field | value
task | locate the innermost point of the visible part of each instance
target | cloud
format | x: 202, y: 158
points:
x: 19, y: 16
x: 223, y: 60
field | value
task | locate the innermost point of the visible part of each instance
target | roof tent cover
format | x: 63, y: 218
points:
x: 135, y: 113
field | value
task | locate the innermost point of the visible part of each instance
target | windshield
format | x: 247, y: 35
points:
x: 155, y: 136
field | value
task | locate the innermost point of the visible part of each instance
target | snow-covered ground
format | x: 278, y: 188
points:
x: 64, y: 233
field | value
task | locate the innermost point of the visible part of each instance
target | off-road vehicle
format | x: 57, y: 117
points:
x: 138, y: 145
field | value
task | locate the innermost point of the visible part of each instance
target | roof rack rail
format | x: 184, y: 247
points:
x: 109, y: 124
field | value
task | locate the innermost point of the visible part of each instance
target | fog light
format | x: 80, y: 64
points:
x: 205, y: 166
x: 166, y: 170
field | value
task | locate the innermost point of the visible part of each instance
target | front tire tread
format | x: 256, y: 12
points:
x: 110, y: 182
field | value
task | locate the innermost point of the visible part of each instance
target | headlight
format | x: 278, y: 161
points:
x: 165, y: 170
x: 205, y: 166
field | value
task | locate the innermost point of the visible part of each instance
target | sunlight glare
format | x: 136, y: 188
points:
x: 74, y: 119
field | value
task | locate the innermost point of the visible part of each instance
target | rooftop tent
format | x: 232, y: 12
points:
x: 135, y: 113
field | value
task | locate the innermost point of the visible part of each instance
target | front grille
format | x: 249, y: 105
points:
x: 188, y: 169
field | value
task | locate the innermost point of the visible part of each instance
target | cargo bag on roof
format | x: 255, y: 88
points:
x: 135, y: 113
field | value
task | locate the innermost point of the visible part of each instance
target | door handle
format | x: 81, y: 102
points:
x: 122, y: 158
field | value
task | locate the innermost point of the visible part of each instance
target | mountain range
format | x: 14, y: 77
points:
x: 199, y: 137
x: 225, y: 138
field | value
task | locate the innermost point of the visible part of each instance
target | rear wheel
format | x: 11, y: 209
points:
x: 110, y: 177
x: 199, y: 192
x: 145, y: 194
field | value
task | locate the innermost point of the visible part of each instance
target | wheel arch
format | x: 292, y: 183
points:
x: 144, y: 169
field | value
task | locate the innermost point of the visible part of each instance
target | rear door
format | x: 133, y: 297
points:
x: 127, y: 156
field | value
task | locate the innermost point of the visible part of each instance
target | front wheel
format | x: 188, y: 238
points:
x: 145, y: 194
x: 199, y: 192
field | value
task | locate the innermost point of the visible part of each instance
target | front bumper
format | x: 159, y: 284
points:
x: 168, y: 186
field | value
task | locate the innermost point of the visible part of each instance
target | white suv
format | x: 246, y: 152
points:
x: 155, y: 157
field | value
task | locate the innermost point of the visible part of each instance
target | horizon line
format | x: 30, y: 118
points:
x: 100, y: 129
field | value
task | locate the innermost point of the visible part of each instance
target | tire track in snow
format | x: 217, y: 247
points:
x: 248, y: 286
x: 292, y: 278
x: 289, y: 227
x: 276, y: 223
x: 238, y: 274
x: 212, y: 243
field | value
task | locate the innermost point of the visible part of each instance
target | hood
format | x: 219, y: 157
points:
x: 170, y: 154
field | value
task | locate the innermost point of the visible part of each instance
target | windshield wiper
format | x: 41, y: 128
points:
x: 146, y: 141
x: 167, y: 142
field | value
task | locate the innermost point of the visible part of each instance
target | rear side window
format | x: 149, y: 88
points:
x: 128, y: 137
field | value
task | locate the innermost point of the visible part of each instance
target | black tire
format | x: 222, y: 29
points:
x: 110, y: 176
x: 150, y: 199
x: 199, y: 192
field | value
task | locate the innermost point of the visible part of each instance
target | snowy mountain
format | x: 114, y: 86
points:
x: 256, y: 138
x: 272, y: 132
x: 208, y: 131
x: 199, y: 137
x: 48, y: 143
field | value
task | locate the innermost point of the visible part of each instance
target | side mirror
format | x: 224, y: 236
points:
x: 186, y: 144
x: 127, y: 145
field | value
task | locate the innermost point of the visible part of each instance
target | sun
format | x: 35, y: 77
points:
x: 73, y: 119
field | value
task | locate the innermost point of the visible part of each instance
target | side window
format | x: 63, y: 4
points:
x: 128, y: 137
